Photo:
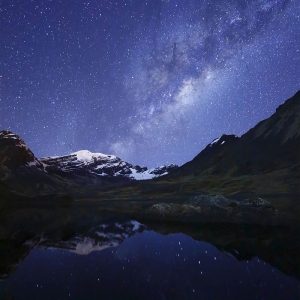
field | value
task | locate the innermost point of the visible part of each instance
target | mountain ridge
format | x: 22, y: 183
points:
x: 101, y: 164
x: 22, y: 171
x: 272, y: 144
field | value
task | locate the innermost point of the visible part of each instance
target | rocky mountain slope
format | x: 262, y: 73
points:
x: 14, y: 153
x: 21, y: 171
x: 271, y: 145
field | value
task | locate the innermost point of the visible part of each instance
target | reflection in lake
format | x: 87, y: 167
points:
x: 127, y: 260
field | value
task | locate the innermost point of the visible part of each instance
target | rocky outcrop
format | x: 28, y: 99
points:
x: 14, y: 152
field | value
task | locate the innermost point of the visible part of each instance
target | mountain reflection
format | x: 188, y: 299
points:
x: 124, y: 258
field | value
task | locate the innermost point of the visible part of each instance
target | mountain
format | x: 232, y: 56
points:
x: 272, y: 147
x: 22, y: 172
x: 14, y: 153
x: 273, y: 143
x: 87, y: 163
x: 266, y: 159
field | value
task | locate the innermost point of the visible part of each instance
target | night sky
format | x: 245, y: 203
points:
x: 150, y: 81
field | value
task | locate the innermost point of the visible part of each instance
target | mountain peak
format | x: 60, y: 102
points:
x: 14, y: 151
x: 9, y: 135
x: 88, y: 156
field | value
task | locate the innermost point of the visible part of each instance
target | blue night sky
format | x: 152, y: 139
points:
x: 150, y: 81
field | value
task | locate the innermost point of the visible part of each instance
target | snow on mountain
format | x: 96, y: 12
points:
x: 222, y: 140
x: 99, y: 238
x: 215, y: 141
x: 87, y: 156
x: 141, y: 175
x: 99, y: 164
x: 14, y: 153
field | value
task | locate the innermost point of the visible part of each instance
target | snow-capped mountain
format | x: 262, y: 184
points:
x: 99, y: 164
x: 23, y: 173
x: 15, y: 154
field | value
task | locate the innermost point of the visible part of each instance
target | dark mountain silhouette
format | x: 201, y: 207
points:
x: 272, y: 144
x: 269, y: 152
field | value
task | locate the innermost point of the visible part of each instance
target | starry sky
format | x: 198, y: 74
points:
x: 151, y: 81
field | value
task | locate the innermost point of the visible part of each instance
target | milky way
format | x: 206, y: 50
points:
x: 150, y: 81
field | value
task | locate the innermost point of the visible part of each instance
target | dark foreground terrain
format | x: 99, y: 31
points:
x: 81, y: 252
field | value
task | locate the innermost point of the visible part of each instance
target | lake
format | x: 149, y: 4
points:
x: 128, y: 260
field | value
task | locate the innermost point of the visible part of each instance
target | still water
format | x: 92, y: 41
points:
x: 132, y: 262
